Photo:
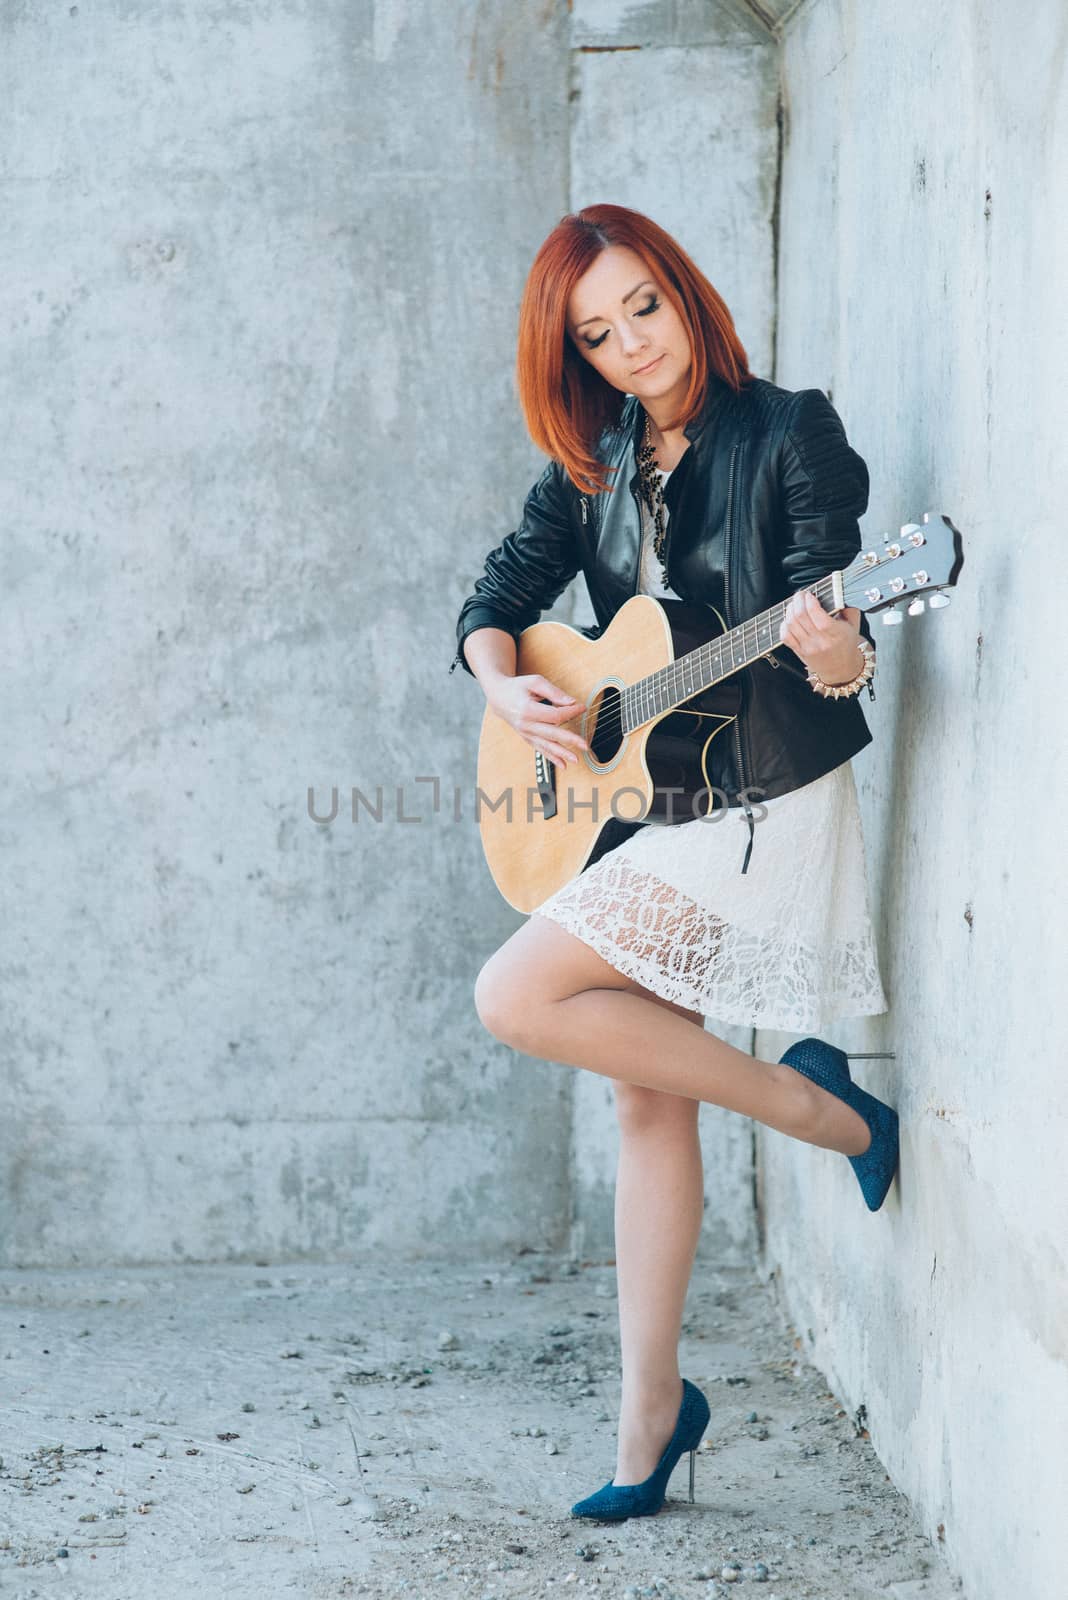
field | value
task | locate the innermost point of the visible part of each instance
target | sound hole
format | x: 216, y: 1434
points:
x: 603, y: 725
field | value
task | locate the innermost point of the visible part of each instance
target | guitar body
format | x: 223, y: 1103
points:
x: 540, y: 824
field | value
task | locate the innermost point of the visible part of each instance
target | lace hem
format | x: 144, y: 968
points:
x: 661, y: 938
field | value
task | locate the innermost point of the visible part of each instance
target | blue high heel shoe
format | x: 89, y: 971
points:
x: 616, y: 1501
x: 828, y: 1066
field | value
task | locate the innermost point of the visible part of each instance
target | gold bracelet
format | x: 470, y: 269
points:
x: 854, y: 685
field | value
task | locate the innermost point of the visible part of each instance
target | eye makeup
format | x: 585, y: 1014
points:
x: 594, y: 344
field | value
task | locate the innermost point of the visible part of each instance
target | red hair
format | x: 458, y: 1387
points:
x: 566, y: 402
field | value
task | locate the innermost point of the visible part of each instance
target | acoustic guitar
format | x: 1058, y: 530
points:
x: 655, y: 690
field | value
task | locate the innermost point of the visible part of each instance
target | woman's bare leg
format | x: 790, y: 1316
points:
x: 662, y: 1074
x: 659, y: 1205
x: 548, y: 994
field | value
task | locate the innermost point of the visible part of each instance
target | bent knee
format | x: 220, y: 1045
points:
x: 498, y: 1004
x: 641, y: 1110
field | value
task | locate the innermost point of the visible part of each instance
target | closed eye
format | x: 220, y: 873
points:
x: 654, y: 305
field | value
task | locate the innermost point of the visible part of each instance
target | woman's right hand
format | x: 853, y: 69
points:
x: 521, y: 702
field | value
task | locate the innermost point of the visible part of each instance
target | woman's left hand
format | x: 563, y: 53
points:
x: 827, y: 645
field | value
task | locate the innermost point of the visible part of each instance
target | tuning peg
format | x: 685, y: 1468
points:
x: 939, y: 598
x: 916, y: 606
x: 892, y: 615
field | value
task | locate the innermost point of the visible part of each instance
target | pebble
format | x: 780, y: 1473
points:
x: 447, y: 1340
x: 729, y: 1572
x: 536, y: 1433
x: 757, y: 1571
x: 550, y: 1449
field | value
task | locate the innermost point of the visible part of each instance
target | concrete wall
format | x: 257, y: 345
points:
x: 260, y: 273
x: 262, y: 267
x: 923, y: 253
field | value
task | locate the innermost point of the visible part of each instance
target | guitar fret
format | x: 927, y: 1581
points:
x: 699, y: 669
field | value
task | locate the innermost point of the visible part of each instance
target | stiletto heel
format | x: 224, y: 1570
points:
x: 616, y: 1501
x: 828, y: 1067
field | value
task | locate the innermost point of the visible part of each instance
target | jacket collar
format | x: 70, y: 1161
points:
x: 718, y: 398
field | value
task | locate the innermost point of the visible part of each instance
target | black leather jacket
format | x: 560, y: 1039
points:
x: 763, y: 502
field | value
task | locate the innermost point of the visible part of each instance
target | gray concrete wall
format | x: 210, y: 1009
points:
x: 261, y: 267
x: 923, y: 254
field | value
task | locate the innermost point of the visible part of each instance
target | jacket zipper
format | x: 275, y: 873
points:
x: 727, y: 570
x: 731, y: 544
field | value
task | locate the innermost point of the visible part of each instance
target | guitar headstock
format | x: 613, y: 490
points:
x: 913, y: 570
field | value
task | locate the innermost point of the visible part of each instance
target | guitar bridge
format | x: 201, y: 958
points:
x: 545, y: 774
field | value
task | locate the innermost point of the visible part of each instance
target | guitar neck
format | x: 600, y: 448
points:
x: 699, y: 669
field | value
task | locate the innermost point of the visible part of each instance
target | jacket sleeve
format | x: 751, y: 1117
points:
x: 824, y: 492
x: 528, y: 570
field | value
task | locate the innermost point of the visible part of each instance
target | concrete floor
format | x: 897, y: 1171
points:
x: 335, y: 1430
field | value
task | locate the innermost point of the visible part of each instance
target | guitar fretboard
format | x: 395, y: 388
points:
x: 670, y: 686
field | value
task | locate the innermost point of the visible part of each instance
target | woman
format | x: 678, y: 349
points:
x: 631, y: 374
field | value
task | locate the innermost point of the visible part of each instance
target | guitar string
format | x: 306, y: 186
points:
x: 627, y: 701
x: 632, y: 700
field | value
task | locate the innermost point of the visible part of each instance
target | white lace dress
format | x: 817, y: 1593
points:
x: 787, y: 945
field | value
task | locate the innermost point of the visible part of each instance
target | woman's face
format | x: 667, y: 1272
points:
x: 620, y: 322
